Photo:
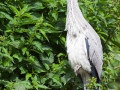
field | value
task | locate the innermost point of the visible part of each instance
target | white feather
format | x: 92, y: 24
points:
x: 77, y: 53
x: 77, y: 30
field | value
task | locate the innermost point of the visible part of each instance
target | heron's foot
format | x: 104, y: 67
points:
x: 76, y: 68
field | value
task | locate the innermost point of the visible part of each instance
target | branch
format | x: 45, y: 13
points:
x: 117, y: 67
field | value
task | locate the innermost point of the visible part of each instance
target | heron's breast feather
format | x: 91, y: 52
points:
x: 77, y: 53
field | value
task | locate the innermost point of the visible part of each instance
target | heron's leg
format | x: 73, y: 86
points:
x: 79, y: 76
x: 76, y: 70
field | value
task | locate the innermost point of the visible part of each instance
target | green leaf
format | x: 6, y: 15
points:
x: 27, y: 21
x: 3, y: 7
x: 17, y: 57
x: 117, y: 57
x: 43, y: 80
x: 62, y: 2
x: 57, y: 81
x: 111, y: 21
x: 28, y: 15
x: 55, y: 67
x: 60, y: 54
x: 47, y: 24
x: 34, y: 80
x: 44, y: 34
x: 24, y: 50
x: 38, y: 45
x: 16, y: 44
x: 23, y: 70
x: 47, y: 58
x: 63, y: 79
x: 5, y: 15
x: 6, y: 63
x: 28, y: 75
x: 22, y: 85
x: 19, y: 87
x: 14, y: 9
x: 46, y: 65
x: 8, y: 31
x: 55, y: 14
x: 38, y: 5
x: 51, y: 57
x: 38, y: 36
x: 43, y: 87
x: 115, y: 42
x: 31, y: 59
x: 46, y: 48
x: 39, y: 22
x: 24, y: 9
x: 8, y: 57
x: 62, y: 39
x: 5, y: 50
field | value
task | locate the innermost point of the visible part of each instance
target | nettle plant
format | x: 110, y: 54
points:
x: 31, y: 40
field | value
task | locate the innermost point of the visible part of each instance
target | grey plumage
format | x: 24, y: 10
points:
x: 78, y: 29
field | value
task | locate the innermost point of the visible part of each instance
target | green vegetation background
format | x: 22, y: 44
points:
x: 32, y: 44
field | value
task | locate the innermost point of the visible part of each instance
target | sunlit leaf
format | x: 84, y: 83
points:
x: 14, y: 9
x: 28, y: 75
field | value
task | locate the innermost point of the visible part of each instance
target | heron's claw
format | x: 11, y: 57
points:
x: 76, y: 68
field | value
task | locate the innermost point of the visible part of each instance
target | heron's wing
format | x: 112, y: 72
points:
x: 95, y: 49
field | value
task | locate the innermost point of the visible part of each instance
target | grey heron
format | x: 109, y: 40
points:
x: 83, y: 44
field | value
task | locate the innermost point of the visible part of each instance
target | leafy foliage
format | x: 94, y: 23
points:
x: 32, y: 44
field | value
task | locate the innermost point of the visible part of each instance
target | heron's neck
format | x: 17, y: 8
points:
x: 74, y: 18
x: 73, y: 4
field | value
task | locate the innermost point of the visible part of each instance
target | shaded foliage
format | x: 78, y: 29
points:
x: 32, y: 43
